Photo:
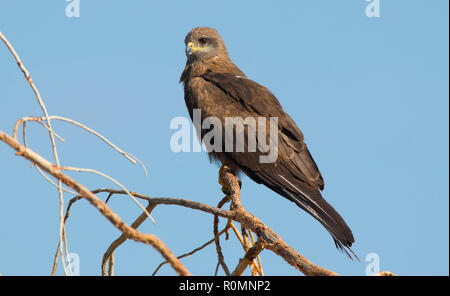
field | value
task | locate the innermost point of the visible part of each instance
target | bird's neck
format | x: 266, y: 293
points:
x: 218, y: 65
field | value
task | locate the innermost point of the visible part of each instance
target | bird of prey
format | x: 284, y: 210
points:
x: 218, y: 88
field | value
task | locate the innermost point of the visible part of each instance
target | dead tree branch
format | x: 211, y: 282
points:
x: 109, y: 254
x: 25, y: 72
x: 238, y: 213
x: 248, y: 258
x: 127, y: 230
x: 195, y: 250
x: 220, y: 258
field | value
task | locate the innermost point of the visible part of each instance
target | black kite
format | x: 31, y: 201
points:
x: 216, y: 86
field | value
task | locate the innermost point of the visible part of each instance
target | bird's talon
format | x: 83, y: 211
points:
x: 225, y: 188
x: 227, y: 191
x: 223, y: 169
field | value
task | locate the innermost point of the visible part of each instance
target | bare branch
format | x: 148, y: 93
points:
x: 24, y: 123
x: 248, y: 258
x: 174, y: 201
x: 272, y: 241
x: 95, y: 201
x: 196, y: 249
x: 217, y: 239
x: 122, y: 238
x: 127, y: 155
x: 115, y: 182
x: 247, y: 246
x: 52, y: 140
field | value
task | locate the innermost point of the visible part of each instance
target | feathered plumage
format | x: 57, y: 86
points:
x: 213, y: 84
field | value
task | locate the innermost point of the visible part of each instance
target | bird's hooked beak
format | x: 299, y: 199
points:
x: 190, y: 48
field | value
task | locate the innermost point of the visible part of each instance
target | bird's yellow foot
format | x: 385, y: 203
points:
x: 225, y: 188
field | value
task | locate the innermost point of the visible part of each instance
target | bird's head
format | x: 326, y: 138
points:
x: 204, y: 43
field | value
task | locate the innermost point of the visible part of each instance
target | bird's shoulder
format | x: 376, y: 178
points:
x: 244, y: 90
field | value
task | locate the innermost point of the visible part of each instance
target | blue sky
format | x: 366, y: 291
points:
x: 370, y: 95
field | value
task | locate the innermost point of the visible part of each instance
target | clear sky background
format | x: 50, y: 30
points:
x: 370, y: 95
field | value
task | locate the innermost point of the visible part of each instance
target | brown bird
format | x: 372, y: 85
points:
x: 218, y: 88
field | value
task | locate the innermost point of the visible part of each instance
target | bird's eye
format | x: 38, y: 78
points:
x: 202, y: 40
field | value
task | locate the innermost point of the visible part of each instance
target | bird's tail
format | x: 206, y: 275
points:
x: 322, y: 211
x: 309, y: 199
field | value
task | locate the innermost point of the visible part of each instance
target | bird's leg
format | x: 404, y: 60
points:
x: 224, y: 169
x: 225, y: 188
x: 239, y: 182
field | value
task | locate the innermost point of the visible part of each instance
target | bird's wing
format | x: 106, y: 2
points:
x: 294, y: 174
x: 259, y: 100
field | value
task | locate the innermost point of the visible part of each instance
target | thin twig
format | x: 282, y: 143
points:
x: 258, y: 258
x: 52, y: 140
x: 249, y: 258
x: 173, y: 201
x: 247, y: 246
x: 127, y: 155
x: 196, y: 249
x: 238, y: 235
x: 217, y: 238
x: 216, y: 270
x: 115, y: 182
x: 122, y: 238
x: 24, y: 139
x: 66, y: 216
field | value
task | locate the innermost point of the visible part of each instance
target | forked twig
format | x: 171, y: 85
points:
x: 115, y: 182
x: 127, y: 155
x: 52, y: 140
x: 24, y: 139
x: 122, y: 238
x: 224, y: 230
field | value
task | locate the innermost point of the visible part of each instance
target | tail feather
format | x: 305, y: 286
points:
x: 310, y: 200
x: 323, y: 212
